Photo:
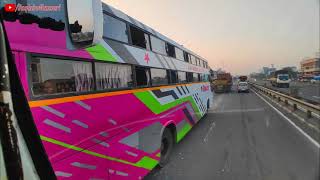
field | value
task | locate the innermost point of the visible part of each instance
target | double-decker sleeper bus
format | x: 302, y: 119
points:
x: 95, y: 94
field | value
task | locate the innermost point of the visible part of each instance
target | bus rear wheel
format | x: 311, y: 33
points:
x: 167, y: 144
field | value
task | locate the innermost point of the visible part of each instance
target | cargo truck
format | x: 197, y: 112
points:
x: 280, y: 79
x: 222, y: 83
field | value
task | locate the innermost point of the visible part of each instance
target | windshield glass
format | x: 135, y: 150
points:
x: 283, y: 77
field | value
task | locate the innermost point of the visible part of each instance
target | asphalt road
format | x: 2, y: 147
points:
x: 307, y: 91
x: 242, y: 138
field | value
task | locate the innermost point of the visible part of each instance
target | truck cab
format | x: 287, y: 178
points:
x: 280, y: 79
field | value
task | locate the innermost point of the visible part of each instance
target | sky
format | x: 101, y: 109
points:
x: 239, y: 36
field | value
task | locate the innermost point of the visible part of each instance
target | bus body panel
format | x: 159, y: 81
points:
x: 112, y: 130
x: 128, y: 121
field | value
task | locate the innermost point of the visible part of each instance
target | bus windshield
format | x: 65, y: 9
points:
x: 283, y: 77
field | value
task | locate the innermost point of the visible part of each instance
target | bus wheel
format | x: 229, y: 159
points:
x: 167, y: 144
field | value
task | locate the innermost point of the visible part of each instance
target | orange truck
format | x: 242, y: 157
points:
x: 222, y: 83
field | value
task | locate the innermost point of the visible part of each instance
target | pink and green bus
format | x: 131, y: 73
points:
x: 89, y: 92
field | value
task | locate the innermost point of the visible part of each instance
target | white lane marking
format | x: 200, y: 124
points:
x: 286, y: 118
x: 296, y: 115
x: 222, y: 108
x: 213, y: 124
x: 267, y: 122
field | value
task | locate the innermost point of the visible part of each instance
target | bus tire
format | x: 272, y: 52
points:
x: 167, y: 144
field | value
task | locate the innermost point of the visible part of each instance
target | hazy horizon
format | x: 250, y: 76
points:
x: 240, y: 36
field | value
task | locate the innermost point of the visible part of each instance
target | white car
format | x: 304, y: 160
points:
x: 243, y: 87
x: 315, y: 81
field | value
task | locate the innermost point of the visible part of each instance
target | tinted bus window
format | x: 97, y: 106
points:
x: 186, y: 57
x: 159, y: 77
x: 189, y: 77
x: 158, y: 45
x: 173, y: 77
x: 112, y: 76
x: 53, y: 76
x: 182, y: 77
x: 171, y: 50
x: 115, y: 29
x: 138, y: 37
x: 142, y: 76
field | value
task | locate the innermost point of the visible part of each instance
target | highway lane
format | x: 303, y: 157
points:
x: 242, y: 138
x: 306, y: 90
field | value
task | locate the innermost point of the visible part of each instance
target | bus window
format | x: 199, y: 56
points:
x: 113, y: 76
x: 204, y: 78
x: 148, y: 44
x: 182, y: 77
x: 189, y: 77
x: 198, y: 62
x: 158, y: 45
x: 196, y: 77
x: 80, y: 16
x: 138, y: 37
x: 53, y: 76
x: 115, y: 29
x: 193, y: 60
x: 170, y: 50
x: 179, y: 54
x: 159, y: 77
x: 173, y: 77
x: 186, y: 57
x: 202, y: 63
x: 142, y: 76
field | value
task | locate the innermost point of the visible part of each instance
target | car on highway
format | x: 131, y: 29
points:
x: 243, y: 87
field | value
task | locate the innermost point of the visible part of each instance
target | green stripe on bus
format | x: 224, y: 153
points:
x: 145, y: 162
x: 152, y: 103
x: 100, y: 53
x: 159, y: 154
x: 183, y: 132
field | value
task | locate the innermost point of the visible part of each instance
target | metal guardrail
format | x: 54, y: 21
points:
x: 311, y: 109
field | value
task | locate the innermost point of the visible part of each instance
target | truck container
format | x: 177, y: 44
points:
x: 222, y: 83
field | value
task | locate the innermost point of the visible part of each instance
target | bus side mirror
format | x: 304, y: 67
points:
x: 85, y: 22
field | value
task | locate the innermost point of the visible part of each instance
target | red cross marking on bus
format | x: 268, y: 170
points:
x: 146, y: 58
